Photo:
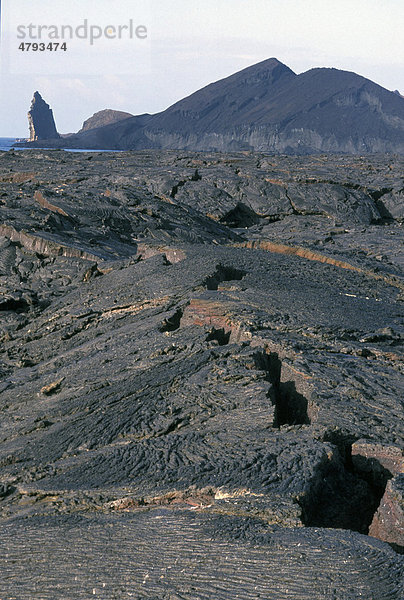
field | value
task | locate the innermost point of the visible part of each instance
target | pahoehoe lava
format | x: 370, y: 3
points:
x: 201, y: 376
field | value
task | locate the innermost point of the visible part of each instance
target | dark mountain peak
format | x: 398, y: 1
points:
x: 266, y: 66
x: 332, y: 73
x: 347, y: 88
x: 222, y: 104
x: 270, y: 70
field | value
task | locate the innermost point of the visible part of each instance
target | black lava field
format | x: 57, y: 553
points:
x: 201, y: 386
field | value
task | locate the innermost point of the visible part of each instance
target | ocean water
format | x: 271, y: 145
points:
x: 7, y: 143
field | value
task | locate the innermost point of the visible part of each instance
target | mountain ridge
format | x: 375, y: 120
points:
x: 267, y: 107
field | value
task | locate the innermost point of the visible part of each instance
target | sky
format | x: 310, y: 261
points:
x: 182, y: 46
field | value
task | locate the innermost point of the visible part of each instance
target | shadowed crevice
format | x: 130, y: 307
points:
x: 291, y: 407
x: 223, y: 273
x: 172, y: 323
x: 341, y: 495
x: 240, y: 216
x: 221, y: 336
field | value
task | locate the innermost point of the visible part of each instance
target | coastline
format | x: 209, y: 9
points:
x: 7, y: 144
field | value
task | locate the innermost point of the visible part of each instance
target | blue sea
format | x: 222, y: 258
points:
x: 7, y: 143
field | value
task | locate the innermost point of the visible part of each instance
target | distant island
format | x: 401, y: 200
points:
x: 266, y: 107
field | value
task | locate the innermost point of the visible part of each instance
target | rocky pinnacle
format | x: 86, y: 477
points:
x: 41, y: 122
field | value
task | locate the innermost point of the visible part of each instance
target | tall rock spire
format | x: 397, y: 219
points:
x: 41, y: 122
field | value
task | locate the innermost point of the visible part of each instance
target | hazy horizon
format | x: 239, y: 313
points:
x: 188, y: 46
